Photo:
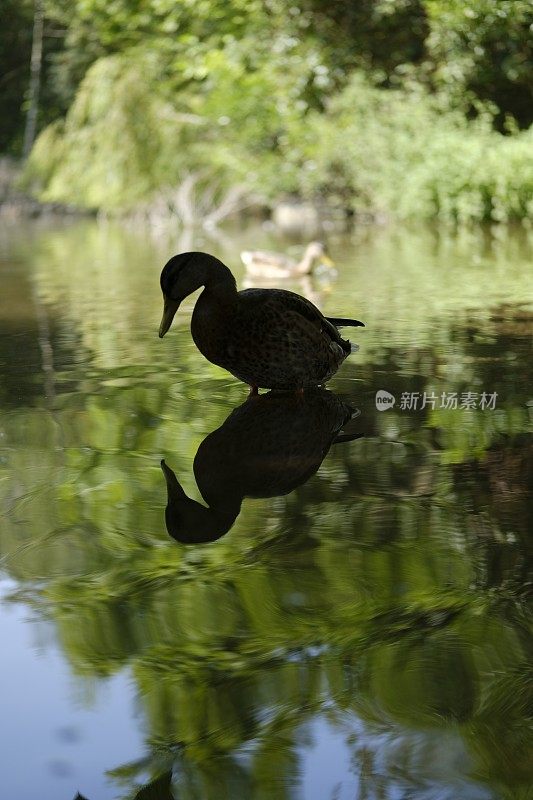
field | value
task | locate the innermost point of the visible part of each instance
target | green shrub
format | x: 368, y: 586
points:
x: 397, y: 151
x: 403, y: 152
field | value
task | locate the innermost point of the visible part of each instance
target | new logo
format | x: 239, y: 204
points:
x: 384, y: 400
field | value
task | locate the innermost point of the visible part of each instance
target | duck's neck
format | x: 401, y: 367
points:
x: 219, y: 284
x: 306, y: 264
x: 214, y: 311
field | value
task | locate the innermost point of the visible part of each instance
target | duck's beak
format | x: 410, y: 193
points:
x: 173, y: 486
x: 327, y: 260
x: 169, y: 309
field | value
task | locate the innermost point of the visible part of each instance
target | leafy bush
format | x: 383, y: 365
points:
x: 404, y: 152
x: 398, y: 151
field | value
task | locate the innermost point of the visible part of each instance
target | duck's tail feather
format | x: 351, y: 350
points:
x: 347, y: 437
x: 341, y: 322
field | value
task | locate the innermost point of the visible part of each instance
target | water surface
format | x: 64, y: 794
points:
x: 362, y: 629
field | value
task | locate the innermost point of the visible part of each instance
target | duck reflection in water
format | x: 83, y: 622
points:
x: 266, y: 447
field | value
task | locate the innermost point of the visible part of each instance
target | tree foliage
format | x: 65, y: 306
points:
x: 114, y: 144
x: 483, y: 51
x: 248, y: 93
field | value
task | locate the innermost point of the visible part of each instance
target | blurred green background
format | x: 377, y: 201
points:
x: 411, y: 108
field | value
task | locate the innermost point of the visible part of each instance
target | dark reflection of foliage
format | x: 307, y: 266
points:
x: 496, y: 491
x: 267, y: 447
x: 158, y: 789
x: 391, y: 587
x: 22, y: 378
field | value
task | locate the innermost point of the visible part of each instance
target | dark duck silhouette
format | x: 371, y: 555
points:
x: 268, y: 338
x: 266, y: 447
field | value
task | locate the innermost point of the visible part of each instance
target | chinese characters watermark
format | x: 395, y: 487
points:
x: 418, y: 401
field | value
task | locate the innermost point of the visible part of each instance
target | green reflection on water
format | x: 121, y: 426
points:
x: 389, y: 591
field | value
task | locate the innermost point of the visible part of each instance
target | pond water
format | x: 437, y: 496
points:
x: 361, y: 632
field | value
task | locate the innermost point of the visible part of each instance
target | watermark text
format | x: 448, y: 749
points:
x: 418, y: 401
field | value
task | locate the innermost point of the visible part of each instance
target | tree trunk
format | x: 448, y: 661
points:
x: 35, y: 78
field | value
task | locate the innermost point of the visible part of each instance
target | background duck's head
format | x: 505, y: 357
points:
x: 181, y: 276
x: 317, y: 252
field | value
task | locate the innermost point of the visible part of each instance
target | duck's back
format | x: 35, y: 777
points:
x: 263, y: 264
x: 269, y: 445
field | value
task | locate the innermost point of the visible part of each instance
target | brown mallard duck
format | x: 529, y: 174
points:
x: 276, y: 266
x: 265, y: 448
x: 269, y: 338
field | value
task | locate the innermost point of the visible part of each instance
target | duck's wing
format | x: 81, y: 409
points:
x: 265, y: 258
x: 282, y: 300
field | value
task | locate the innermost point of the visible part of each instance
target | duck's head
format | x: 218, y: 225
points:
x: 316, y: 251
x: 181, y: 276
x: 190, y: 522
